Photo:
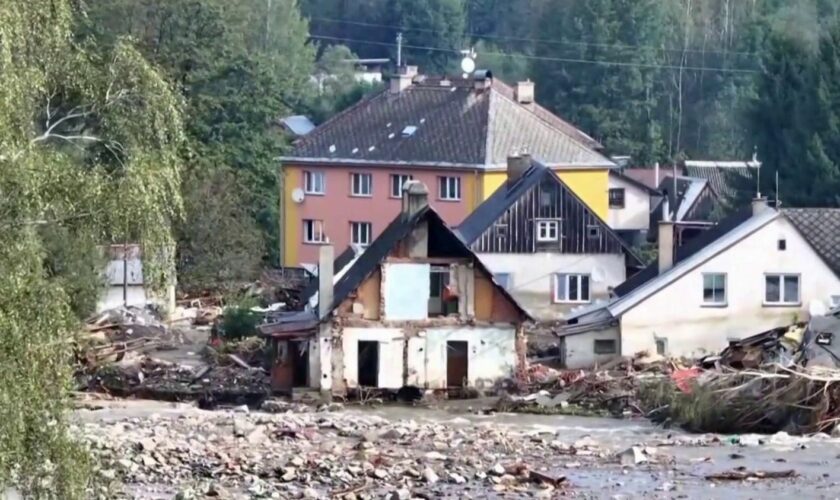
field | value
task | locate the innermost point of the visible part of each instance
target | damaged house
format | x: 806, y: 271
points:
x: 544, y: 244
x: 756, y: 270
x: 417, y: 309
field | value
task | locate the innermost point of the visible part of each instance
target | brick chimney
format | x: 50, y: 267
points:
x: 403, y: 79
x: 524, y: 92
x: 415, y: 197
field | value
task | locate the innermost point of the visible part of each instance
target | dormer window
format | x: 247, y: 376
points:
x: 548, y: 230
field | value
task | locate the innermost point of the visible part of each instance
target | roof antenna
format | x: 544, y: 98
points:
x: 757, y: 174
x: 777, y: 189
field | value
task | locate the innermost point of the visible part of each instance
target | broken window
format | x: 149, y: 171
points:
x: 781, y: 289
x: 442, y: 300
x: 605, y: 346
x: 313, y: 182
x: 714, y: 288
x: 616, y: 197
x: 548, y: 230
x: 397, y: 183
x: 571, y: 288
x: 313, y: 231
x: 361, y: 184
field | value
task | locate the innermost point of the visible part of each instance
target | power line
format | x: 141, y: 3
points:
x: 546, y: 58
x: 539, y: 40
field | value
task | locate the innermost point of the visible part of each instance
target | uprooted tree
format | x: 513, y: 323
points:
x: 88, y: 148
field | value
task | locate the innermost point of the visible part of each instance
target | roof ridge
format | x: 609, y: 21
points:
x: 552, y: 126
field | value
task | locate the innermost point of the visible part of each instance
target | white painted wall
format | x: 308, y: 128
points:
x: 677, y: 314
x: 113, y: 297
x: 531, y: 277
x: 580, y: 349
x: 492, y: 355
x: 406, y: 291
x: 390, y: 355
x: 636, y: 212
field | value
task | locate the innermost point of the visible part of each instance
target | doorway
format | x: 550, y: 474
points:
x: 368, y: 357
x: 299, y: 355
x: 457, y: 363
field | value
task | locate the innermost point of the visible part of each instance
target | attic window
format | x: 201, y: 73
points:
x: 500, y: 230
x: 548, y: 230
x: 593, y: 231
x: 409, y: 130
x: 782, y: 244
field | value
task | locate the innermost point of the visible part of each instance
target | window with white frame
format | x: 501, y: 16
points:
x: 361, y: 184
x: 781, y: 289
x: 360, y: 233
x: 449, y: 188
x: 397, y: 183
x: 571, y: 288
x: 313, y: 231
x: 548, y: 230
x: 714, y: 288
x: 314, y: 182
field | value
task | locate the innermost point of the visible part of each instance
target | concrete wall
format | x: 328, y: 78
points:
x: 113, y: 297
x: 580, y: 349
x: 677, y: 313
x: 636, y: 212
x: 492, y: 356
x: 531, y: 277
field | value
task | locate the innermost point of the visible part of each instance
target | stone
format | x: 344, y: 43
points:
x: 241, y: 409
x: 297, y: 461
x: 310, y: 493
x: 395, y: 433
x: 430, y: 476
x: 400, y: 494
x: 434, y: 455
x: 216, y: 491
x: 288, y: 474
x: 497, y: 470
x: 632, y: 456
x: 380, y: 473
x: 148, y: 461
x: 586, y: 442
x: 456, y: 478
x: 147, y: 444
x: 242, y: 427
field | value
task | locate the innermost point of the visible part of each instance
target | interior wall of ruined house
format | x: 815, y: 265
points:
x: 580, y: 349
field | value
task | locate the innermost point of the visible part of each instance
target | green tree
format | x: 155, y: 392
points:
x: 616, y: 104
x: 89, y: 143
x: 240, y: 65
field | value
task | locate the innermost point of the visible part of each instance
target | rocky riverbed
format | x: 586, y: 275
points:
x: 168, y: 450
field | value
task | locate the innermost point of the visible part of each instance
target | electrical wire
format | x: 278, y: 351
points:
x: 545, y: 58
x: 538, y: 40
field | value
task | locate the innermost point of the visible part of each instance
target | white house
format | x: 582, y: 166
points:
x: 544, y: 244
x: 759, y: 269
x: 629, y: 203
x: 417, y: 309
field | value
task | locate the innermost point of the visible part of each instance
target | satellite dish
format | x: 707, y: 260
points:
x: 467, y: 65
x: 297, y: 195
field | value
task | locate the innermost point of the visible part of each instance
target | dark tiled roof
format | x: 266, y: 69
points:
x: 725, y: 181
x: 454, y: 125
x: 441, y: 236
x: 821, y: 229
x: 690, y: 248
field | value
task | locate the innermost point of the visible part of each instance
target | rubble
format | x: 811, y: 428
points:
x: 112, y: 334
x: 315, y: 455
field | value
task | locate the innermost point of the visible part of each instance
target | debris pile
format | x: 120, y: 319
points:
x: 109, y: 336
x: 609, y: 391
x: 148, y: 378
x: 325, y: 454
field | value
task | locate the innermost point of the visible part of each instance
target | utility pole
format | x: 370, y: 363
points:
x: 399, y: 49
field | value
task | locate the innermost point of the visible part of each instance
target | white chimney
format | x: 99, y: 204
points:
x: 759, y: 205
x: 666, y: 245
x: 325, y: 280
x: 415, y: 197
x: 656, y: 175
x: 524, y: 92
x: 403, y: 79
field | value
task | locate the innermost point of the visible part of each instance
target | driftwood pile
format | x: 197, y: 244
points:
x: 795, y: 400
